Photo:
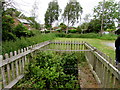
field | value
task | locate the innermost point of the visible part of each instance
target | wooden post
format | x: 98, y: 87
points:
x: 8, y: 68
x: 19, y: 60
x: 1, y: 80
x: 27, y: 58
x: 25, y: 49
x: 3, y: 75
x: 16, y: 65
x: 23, y: 62
x: 13, y: 70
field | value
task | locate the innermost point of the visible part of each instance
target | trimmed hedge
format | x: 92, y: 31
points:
x: 72, y: 31
x: 88, y: 35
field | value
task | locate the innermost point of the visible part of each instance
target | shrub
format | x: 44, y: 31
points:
x: 108, y: 37
x: 59, y: 30
x: 8, y: 36
x: 88, y: 35
x: 7, y: 28
x: 60, y: 34
x: 10, y: 46
x: 48, y: 31
x: 21, y: 31
x: 72, y: 31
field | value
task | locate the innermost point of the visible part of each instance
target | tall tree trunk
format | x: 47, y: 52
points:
x: 67, y: 28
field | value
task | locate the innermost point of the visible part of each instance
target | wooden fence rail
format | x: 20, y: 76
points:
x: 105, y: 73
x: 12, y: 66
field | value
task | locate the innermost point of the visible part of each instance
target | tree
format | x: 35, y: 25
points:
x: 85, y: 25
x: 62, y: 26
x: 72, y: 12
x: 34, y: 16
x: 110, y: 14
x: 87, y: 18
x: 34, y: 10
x: 33, y: 22
x: 7, y: 28
x: 94, y: 26
x: 52, y: 13
x: 12, y: 12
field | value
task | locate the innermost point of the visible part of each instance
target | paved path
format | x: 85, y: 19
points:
x: 110, y: 44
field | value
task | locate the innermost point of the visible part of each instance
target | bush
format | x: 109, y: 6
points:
x: 89, y: 35
x: 10, y: 46
x: 48, y: 31
x: 72, y: 31
x: 59, y: 30
x: 8, y: 36
x: 21, y: 31
x: 7, y: 28
x: 60, y: 34
x: 108, y: 37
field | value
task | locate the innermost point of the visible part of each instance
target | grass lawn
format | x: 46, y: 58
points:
x: 99, y: 44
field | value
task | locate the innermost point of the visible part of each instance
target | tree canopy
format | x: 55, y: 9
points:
x: 110, y: 13
x: 52, y: 13
x: 72, y: 12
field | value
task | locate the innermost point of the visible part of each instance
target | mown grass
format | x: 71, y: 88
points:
x: 10, y: 46
x: 99, y: 44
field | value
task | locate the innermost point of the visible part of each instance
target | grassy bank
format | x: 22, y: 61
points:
x: 10, y: 46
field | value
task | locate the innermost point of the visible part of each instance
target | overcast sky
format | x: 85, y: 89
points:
x: 26, y: 6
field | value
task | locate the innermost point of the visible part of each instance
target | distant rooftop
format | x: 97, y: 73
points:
x: 23, y: 21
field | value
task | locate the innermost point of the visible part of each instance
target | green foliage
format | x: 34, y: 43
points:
x: 72, y: 11
x: 62, y: 26
x: 10, y: 46
x: 110, y: 30
x: 108, y: 37
x: 79, y: 30
x: 48, y: 31
x: 49, y: 70
x: 72, y: 31
x: 47, y: 26
x: 52, y: 13
x: 88, y: 35
x: 59, y: 30
x: 7, y: 28
x: 94, y: 26
x: 12, y: 32
x: 118, y: 32
x: 111, y: 13
x: 84, y: 26
x: 21, y: 31
x: 11, y: 12
x: 33, y: 22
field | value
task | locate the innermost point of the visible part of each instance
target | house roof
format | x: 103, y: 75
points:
x: 23, y: 21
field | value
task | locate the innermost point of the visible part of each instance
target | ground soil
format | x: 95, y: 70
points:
x: 86, y: 78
